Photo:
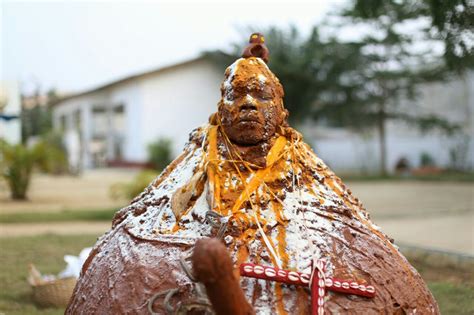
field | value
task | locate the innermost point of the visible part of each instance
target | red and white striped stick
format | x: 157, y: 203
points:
x: 319, y: 284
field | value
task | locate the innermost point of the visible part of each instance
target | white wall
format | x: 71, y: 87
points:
x: 344, y: 150
x: 169, y: 103
x: 177, y: 101
x: 84, y: 104
x: 351, y: 152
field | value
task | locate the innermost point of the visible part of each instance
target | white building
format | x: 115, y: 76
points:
x: 117, y: 121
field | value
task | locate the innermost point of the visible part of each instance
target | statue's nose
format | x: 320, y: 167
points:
x: 247, y: 106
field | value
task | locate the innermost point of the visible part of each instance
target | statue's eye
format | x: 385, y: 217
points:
x: 229, y: 96
x: 266, y: 96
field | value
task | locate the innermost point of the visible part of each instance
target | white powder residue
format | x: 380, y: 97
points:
x: 250, y: 99
x: 305, y: 227
x: 156, y: 222
x: 228, y: 89
x: 196, y: 228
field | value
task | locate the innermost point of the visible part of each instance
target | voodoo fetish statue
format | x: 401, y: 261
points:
x: 248, y: 220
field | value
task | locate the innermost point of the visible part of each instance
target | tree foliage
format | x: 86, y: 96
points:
x: 451, y: 21
x: 36, y: 118
x: 399, y: 57
x: 16, y: 165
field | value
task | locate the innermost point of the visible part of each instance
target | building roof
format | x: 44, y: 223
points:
x: 131, y: 78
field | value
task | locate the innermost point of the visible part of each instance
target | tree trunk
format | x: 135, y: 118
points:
x: 382, y: 117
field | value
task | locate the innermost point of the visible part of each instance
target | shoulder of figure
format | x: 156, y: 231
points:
x: 198, y: 135
x: 290, y: 133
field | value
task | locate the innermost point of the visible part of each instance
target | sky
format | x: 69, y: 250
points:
x: 75, y: 46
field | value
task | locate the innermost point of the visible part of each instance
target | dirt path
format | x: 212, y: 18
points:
x: 401, y: 199
x: 452, y: 233
x: 60, y: 228
x: 56, y: 193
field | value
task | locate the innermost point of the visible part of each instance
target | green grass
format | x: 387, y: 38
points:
x: 453, y: 298
x: 65, y: 215
x: 47, y: 252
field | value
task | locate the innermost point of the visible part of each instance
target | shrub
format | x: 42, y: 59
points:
x: 159, y: 153
x: 16, y: 165
x: 51, y: 154
x: 426, y: 160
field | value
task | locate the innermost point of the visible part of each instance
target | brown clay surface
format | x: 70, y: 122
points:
x: 357, y: 251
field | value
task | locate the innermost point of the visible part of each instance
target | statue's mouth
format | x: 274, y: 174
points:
x: 249, y: 120
x: 251, y: 124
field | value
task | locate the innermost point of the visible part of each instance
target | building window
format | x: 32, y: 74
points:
x: 118, y: 122
x: 99, y: 122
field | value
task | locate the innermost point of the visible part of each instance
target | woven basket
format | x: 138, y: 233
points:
x: 55, y: 293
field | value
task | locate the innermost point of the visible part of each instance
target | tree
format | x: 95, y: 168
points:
x: 393, y: 66
x: 16, y: 165
x: 36, y: 115
x: 451, y: 21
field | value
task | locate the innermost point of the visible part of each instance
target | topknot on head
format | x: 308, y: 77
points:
x: 257, y: 38
x: 256, y: 48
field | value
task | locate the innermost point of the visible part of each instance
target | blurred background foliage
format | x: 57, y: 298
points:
x: 51, y: 154
x: 16, y: 165
x: 17, y: 162
x: 41, y: 148
x: 36, y: 114
x: 160, y: 153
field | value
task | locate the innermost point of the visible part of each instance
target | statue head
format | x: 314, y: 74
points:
x: 251, y: 107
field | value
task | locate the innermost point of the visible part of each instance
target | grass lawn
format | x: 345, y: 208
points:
x: 62, y: 216
x: 46, y: 252
x: 453, y: 290
x: 453, y: 298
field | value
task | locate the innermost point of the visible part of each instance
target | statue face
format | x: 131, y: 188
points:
x: 251, y: 108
